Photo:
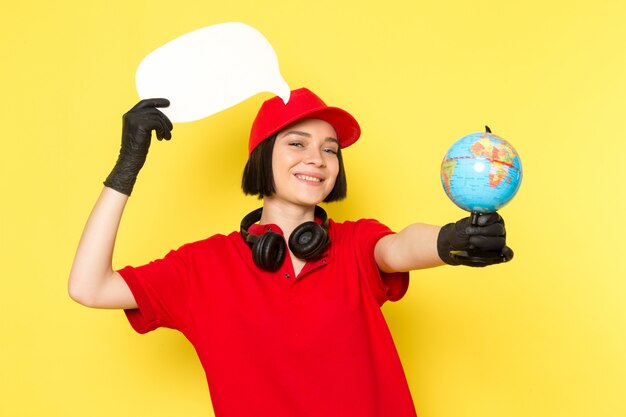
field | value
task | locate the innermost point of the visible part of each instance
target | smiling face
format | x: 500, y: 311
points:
x: 304, y: 162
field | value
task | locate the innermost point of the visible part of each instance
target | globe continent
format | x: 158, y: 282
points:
x: 481, y: 172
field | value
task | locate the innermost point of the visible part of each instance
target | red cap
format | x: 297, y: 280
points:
x: 275, y: 115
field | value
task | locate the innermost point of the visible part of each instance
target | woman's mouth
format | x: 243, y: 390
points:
x: 308, y: 178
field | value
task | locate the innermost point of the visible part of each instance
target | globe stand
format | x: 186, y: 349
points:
x: 477, y: 256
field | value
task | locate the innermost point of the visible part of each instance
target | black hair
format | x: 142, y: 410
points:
x: 258, y: 178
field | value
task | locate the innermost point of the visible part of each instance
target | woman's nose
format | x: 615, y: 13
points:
x: 314, y: 157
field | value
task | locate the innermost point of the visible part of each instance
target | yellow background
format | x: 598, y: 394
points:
x: 544, y: 335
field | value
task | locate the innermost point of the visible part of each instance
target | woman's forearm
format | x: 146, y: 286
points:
x: 414, y: 247
x: 92, y: 267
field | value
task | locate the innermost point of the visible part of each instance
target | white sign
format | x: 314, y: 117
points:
x: 209, y: 70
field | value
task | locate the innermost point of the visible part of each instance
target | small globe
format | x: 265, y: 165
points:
x: 481, y: 172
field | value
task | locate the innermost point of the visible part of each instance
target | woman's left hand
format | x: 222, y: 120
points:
x: 482, y: 244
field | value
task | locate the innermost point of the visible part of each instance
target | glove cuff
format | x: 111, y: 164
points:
x: 443, y: 245
x: 124, y: 174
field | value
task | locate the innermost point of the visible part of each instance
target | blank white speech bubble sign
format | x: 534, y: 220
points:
x: 209, y: 70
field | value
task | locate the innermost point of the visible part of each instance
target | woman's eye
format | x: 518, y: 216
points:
x: 296, y: 144
x: 331, y: 151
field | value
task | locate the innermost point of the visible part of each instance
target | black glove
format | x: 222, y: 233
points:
x: 137, y: 128
x: 480, y: 244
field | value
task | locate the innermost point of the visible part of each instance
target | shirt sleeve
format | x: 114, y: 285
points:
x: 385, y: 286
x: 161, y: 290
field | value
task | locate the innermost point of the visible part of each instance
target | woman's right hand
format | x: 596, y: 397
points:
x: 138, y: 124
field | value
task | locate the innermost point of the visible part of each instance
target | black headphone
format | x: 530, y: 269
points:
x: 307, y: 241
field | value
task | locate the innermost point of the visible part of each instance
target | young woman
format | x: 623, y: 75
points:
x: 284, y: 313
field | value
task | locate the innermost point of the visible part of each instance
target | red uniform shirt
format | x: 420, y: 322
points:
x: 273, y: 344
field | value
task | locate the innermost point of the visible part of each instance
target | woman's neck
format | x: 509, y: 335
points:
x: 285, y: 215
